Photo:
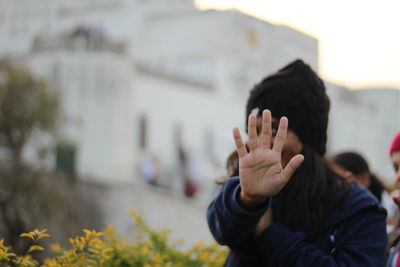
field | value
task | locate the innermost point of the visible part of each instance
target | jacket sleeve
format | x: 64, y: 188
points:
x: 229, y: 222
x: 362, y: 243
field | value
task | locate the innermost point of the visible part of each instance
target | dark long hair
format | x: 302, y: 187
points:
x: 357, y: 165
x: 311, y: 193
x: 377, y: 187
x: 352, y: 161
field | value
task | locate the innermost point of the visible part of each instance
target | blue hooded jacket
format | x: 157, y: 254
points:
x: 353, y: 234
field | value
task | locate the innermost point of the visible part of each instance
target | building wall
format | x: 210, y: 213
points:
x: 250, y: 47
x: 97, y: 93
x: 159, y: 209
x: 20, y: 21
x: 203, y: 118
x: 365, y: 121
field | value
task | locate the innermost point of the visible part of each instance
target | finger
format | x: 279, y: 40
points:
x: 280, y: 137
x: 292, y: 166
x: 240, y: 146
x: 266, y: 131
x: 252, y: 131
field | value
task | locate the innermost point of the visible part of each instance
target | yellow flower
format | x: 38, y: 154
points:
x: 165, y: 231
x: 36, y: 234
x: 4, y: 254
x: 96, y: 244
x: 78, y: 243
x: 144, y: 251
x: 109, y: 229
x: 92, y: 234
x: 179, y: 242
x: 35, y: 248
x: 198, y: 245
x: 136, y: 218
x: 25, y: 261
x: 133, y: 212
x: 55, y: 247
x: 150, y: 249
x: 157, y: 258
x: 205, y: 256
x: 214, y: 246
x: 51, y: 262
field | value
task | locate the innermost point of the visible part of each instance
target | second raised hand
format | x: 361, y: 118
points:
x: 260, y: 169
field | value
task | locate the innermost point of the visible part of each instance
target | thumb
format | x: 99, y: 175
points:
x: 292, y: 166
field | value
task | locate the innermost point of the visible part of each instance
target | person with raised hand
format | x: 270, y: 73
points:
x: 285, y: 206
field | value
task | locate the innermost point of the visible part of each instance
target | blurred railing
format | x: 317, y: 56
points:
x: 74, y: 41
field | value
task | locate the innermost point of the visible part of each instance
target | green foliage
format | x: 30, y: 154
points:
x: 26, y: 105
x: 150, y: 248
x: 28, y: 194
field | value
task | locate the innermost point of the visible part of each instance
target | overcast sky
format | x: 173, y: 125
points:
x: 359, y: 41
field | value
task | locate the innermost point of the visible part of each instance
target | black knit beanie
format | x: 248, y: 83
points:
x: 296, y: 92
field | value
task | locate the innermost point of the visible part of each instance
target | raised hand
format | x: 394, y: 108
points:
x: 260, y: 169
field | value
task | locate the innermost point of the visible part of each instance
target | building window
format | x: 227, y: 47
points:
x: 65, y: 158
x: 55, y: 74
x: 143, y: 132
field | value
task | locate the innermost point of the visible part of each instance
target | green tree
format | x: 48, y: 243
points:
x: 26, y: 105
x: 29, y: 194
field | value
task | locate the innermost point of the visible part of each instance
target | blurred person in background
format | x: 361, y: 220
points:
x: 315, y: 218
x: 354, y: 168
x: 150, y: 170
x: 394, y: 153
x: 189, y: 170
x: 393, y: 209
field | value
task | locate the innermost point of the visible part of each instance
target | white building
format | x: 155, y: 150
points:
x: 197, y: 81
x: 168, y: 44
x: 21, y: 20
x: 96, y: 83
x: 193, y: 46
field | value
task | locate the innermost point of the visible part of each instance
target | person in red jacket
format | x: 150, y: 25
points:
x: 286, y: 207
x: 394, y: 153
x: 394, y: 247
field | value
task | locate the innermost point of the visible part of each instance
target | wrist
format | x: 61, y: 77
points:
x: 250, y: 202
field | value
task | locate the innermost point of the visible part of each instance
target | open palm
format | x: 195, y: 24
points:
x: 260, y: 169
